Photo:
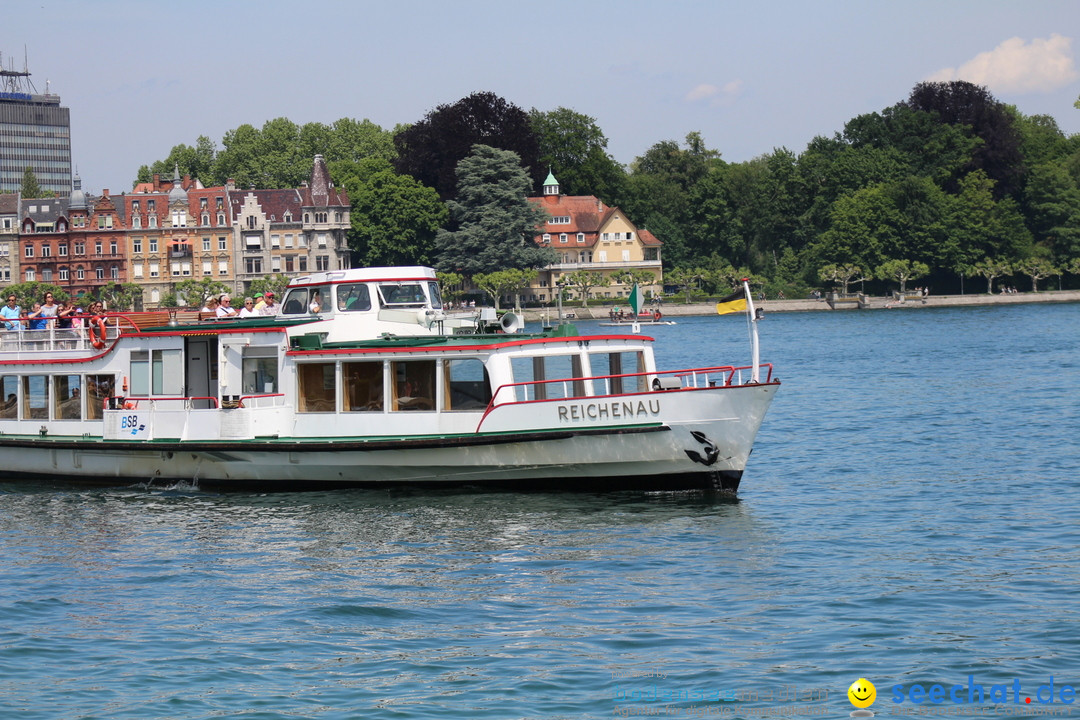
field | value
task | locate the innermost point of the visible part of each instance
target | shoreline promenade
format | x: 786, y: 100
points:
x: 673, y: 308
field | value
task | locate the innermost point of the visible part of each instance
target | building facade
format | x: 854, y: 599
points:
x: 9, y: 236
x: 591, y: 236
x: 35, y: 132
x: 291, y: 231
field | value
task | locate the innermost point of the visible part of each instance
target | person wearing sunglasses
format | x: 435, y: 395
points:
x: 249, y: 308
x: 11, y: 313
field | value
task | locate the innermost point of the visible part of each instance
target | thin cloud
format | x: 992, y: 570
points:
x: 716, y: 94
x: 1043, y: 65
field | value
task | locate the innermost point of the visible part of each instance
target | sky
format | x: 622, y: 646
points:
x: 141, y: 77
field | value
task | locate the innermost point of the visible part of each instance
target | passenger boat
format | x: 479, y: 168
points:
x: 363, y: 379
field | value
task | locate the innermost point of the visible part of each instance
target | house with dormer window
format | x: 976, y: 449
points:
x: 589, y: 235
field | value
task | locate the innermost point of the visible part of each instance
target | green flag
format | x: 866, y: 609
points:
x: 637, y: 299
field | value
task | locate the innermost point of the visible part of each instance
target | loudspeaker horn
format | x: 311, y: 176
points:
x: 511, y: 323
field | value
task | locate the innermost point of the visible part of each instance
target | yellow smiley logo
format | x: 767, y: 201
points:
x: 862, y: 693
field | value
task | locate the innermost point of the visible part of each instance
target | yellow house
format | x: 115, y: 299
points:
x: 591, y: 236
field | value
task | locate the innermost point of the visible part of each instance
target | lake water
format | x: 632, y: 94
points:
x: 910, y: 515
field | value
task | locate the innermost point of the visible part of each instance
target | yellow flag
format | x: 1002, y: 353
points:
x: 733, y: 303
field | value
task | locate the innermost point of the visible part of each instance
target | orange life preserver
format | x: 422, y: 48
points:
x: 97, y: 339
x: 657, y: 315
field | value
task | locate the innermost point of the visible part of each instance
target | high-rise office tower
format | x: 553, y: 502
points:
x: 35, y: 132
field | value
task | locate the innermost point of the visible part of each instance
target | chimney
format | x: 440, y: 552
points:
x: 105, y: 192
x: 157, y: 181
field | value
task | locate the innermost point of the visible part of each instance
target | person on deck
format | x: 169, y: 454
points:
x: 249, y: 308
x: 225, y: 308
x: 268, y: 306
x: 11, y: 314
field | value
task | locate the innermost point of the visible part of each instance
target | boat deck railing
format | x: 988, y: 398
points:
x: 63, y: 341
x: 625, y: 383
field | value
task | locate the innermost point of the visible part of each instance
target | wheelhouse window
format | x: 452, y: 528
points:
x: 363, y: 383
x: 318, y: 387
x: 353, y: 297
x: 402, y: 295
x: 302, y: 300
x: 412, y: 385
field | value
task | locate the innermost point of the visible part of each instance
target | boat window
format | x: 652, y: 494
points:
x: 402, y: 295
x: 353, y: 297
x: 467, y: 386
x: 436, y: 296
x: 295, y: 302
x: 139, y: 366
x: 67, y: 397
x: 98, y: 389
x: 9, y: 391
x: 318, y: 387
x: 555, y: 367
x: 260, y: 371
x: 35, y: 397
x: 304, y: 301
x: 618, y: 363
x: 167, y: 372
x: 413, y: 385
x: 363, y: 383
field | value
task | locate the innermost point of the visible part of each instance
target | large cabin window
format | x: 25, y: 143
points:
x: 260, y: 369
x: 353, y: 297
x: 466, y: 385
x: 363, y: 383
x: 9, y: 391
x: 302, y: 301
x: 98, y: 389
x: 67, y: 397
x: 624, y: 363
x: 36, y: 397
x: 413, y: 385
x: 318, y: 387
x: 552, y: 367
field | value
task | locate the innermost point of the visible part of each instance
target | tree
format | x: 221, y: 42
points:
x: 394, y: 219
x: 585, y: 280
x: 34, y: 291
x: 901, y: 271
x: 573, y: 147
x: 196, y: 292
x: 504, y: 282
x: 1036, y: 268
x: 1052, y: 201
x: 268, y: 283
x: 962, y: 103
x: 120, y: 297
x: 431, y: 149
x: 497, y: 223
x: 689, y: 279
x: 30, y: 187
x: 843, y: 273
x: 451, y: 284
x: 198, y: 162
x: 991, y: 269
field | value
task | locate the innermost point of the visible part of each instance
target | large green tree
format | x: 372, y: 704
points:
x: 497, y: 224
x: 30, y: 187
x: 574, y: 148
x: 430, y: 149
x: 394, y: 218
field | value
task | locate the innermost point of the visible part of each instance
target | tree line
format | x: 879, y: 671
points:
x: 946, y: 186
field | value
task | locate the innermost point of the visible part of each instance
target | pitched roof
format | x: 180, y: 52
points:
x: 9, y: 203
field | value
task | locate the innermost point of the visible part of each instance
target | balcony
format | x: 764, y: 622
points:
x: 606, y: 265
